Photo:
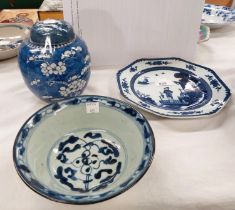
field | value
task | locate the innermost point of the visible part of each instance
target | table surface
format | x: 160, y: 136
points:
x: 194, y: 166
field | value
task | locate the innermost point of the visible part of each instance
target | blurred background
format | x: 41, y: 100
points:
x: 221, y: 2
x: 19, y: 4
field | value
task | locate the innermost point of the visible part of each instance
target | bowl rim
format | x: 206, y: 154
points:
x: 64, y: 201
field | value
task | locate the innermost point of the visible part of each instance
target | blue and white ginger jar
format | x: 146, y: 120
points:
x: 54, y: 62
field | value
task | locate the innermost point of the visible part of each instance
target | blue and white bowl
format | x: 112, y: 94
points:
x: 217, y: 16
x: 54, y: 62
x: 11, y: 36
x: 84, y: 150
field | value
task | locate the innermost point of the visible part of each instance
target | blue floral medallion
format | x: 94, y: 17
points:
x: 172, y: 87
x: 87, y: 161
x: 55, y: 64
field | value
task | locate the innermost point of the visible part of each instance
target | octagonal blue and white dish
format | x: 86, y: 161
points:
x: 216, y: 16
x: 84, y: 150
x: 173, y: 88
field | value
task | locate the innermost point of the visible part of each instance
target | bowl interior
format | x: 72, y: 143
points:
x: 73, y: 152
x: 12, y: 32
x: 5, y: 54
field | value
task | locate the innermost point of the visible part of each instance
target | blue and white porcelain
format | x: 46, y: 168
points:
x: 11, y: 36
x: 54, y: 62
x: 173, y: 88
x: 84, y: 150
x: 217, y: 16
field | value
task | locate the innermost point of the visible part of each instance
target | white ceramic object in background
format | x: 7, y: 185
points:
x: 11, y: 36
x: 217, y: 16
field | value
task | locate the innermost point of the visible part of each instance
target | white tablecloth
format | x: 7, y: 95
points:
x: 194, y: 166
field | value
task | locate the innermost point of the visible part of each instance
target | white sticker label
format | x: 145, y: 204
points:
x: 92, y: 107
x: 165, y: 83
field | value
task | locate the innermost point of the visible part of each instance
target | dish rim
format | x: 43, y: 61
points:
x: 124, y: 189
